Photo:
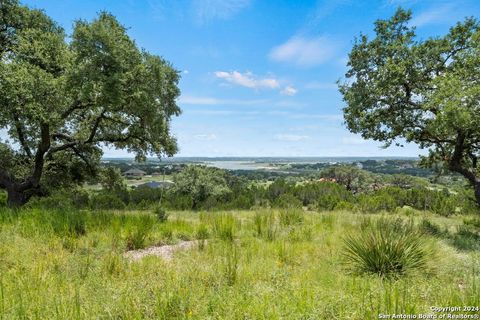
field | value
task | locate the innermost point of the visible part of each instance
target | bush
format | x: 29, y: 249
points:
x: 60, y: 200
x: 288, y: 201
x: 161, y: 214
x: 388, y: 248
x: 105, y: 201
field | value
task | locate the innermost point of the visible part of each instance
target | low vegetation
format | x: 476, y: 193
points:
x: 59, y: 264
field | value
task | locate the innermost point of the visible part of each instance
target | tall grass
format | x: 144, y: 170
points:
x: 389, y: 248
x: 137, y: 232
x: 224, y: 226
x: 266, y: 225
x: 48, y: 274
x: 290, y: 217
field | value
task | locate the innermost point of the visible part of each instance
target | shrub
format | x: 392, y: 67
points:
x: 161, y: 213
x: 288, y: 201
x: 60, y: 200
x: 106, y: 201
x: 389, y: 248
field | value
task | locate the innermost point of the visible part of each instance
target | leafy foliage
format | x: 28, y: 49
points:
x: 62, y: 100
x: 426, y: 92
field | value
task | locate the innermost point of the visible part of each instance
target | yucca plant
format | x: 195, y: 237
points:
x: 388, y: 248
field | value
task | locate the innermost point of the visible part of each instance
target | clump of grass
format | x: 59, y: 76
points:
x: 431, y: 228
x: 328, y: 220
x: 285, y: 253
x: 300, y: 233
x: 474, y: 222
x: 161, y: 214
x: 231, y: 265
x: 265, y: 225
x: 202, y: 235
x: 389, y: 248
x: 466, y: 239
x: 68, y: 223
x: 291, y: 217
x: 224, y: 227
x: 112, y: 264
x: 138, y: 232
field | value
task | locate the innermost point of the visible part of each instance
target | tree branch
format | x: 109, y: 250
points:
x: 21, y: 135
x: 43, y: 147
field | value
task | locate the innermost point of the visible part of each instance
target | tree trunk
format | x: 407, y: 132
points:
x: 476, y: 188
x: 16, y: 198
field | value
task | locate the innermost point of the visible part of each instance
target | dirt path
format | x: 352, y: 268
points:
x: 165, y: 252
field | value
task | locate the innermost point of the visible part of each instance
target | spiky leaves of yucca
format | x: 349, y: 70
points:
x: 388, y: 248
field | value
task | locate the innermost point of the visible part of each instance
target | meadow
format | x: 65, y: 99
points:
x: 255, y: 264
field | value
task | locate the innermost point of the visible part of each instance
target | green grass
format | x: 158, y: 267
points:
x: 69, y: 265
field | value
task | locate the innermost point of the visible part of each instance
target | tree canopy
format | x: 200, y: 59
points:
x: 62, y: 101
x: 423, y: 91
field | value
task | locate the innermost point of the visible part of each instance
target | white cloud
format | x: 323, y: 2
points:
x: 205, y: 137
x: 194, y: 100
x: 207, y: 10
x: 186, y: 71
x: 435, y: 15
x: 248, y: 80
x: 291, y: 137
x: 304, y: 51
x: 289, y: 91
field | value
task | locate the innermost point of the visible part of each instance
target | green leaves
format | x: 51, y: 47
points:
x: 426, y: 92
x: 65, y: 100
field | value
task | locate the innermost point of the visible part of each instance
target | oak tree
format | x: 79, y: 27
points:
x: 423, y: 91
x: 62, y: 100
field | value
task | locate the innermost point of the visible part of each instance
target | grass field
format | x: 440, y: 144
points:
x: 255, y: 265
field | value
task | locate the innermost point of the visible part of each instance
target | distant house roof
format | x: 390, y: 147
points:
x: 135, y: 172
x: 156, y: 184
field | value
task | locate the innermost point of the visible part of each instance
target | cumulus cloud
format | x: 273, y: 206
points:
x: 248, y: 80
x: 291, y: 137
x: 289, y: 91
x: 304, y: 51
x: 206, y: 10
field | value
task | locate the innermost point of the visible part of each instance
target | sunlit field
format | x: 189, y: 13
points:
x: 266, y: 264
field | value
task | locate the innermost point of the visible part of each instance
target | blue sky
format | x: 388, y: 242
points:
x: 258, y: 76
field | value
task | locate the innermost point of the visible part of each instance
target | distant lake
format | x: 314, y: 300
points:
x: 265, y: 163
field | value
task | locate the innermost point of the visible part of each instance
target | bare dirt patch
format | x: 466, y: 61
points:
x: 165, y: 252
